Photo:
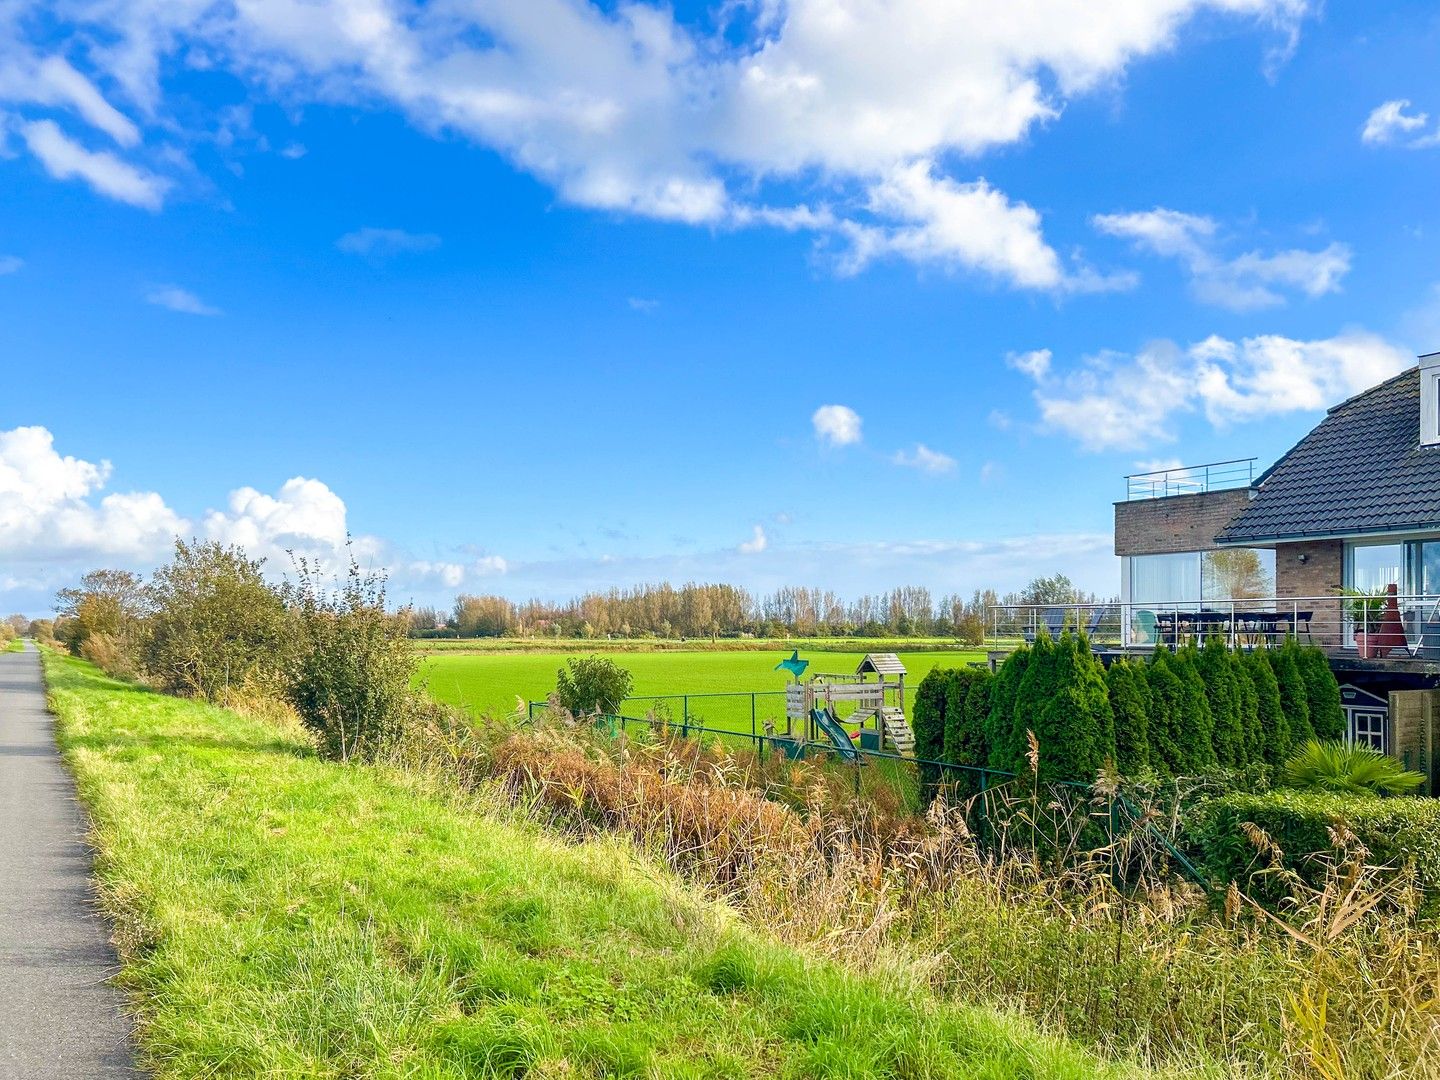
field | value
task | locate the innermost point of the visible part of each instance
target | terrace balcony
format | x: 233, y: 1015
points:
x: 1190, y: 479
x: 1355, y: 631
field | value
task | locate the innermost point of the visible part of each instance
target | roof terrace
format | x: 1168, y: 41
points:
x: 1190, y: 479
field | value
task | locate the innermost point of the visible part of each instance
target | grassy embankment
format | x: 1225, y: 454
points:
x: 279, y: 915
x: 14, y: 645
x: 490, y: 682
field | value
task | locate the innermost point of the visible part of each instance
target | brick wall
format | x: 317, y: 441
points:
x: 1177, y: 523
x: 1413, y: 716
x: 1314, y: 568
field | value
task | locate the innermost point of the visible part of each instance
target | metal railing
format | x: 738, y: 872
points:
x: 1366, y: 625
x: 1190, y: 479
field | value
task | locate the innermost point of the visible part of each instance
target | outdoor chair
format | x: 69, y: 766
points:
x: 1145, y: 626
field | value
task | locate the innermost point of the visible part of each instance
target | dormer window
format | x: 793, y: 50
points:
x: 1430, y: 399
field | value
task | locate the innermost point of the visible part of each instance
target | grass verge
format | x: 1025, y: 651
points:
x: 281, y: 916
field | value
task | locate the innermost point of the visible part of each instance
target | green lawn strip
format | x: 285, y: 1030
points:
x: 14, y: 645
x: 281, y: 916
x: 490, y: 682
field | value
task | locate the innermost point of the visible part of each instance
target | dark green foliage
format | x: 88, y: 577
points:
x: 1130, y: 704
x: 1273, y: 727
x: 1196, y: 732
x: 1036, y: 688
x: 1397, y: 832
x: 1292, y: 696
x: 927, y: 721
x: 1065, y: 702
x: 1322, y: 694
x: 1253, y: 738
x: 593, y: 684
x: 1005, y: 752
x: 1222, y: 691
x: 1167, y: 709
x: 965, y: 724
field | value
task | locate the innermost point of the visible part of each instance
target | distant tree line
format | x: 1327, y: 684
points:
x: 716, y: 610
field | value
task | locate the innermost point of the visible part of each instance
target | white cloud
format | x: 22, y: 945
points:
x: 1243, y: 283
x: 642, y: 305
x: 625, y: 107
x: 838, y: 425
x: 992, y: 472
x: 10, y: 264
x: 925, y: 460
x: 757, y: 543
x: 178, y: 299
x: 304, y: 516
x: 1035, y: 363
x: 1117, y: 401
x: 66, y: 159
x: 1388, y: 122
x: 48, y: 512
x: 380, y: 243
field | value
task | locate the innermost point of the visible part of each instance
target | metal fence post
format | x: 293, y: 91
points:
x: 685, y: 716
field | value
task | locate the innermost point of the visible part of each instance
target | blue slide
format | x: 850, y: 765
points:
x: 826, y: 722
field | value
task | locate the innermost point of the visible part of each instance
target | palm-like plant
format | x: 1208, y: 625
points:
x: 1348, y: 769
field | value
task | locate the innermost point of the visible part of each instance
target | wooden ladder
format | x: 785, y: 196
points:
x: 897, y: 730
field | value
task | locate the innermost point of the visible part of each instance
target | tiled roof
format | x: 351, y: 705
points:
x: 1361, y: 470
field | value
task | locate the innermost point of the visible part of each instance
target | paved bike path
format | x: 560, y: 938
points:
x: 59, y: 1018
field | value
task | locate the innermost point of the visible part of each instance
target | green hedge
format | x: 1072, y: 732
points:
x: 1397, y: 832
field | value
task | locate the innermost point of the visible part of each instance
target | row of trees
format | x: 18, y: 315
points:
x: 1179, y: 714
x: 209, y: 624
x: 697, y: 610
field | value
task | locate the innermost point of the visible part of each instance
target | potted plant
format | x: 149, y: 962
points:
x: 1365, y: 612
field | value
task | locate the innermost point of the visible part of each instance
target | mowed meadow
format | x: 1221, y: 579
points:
x: 484, y: 682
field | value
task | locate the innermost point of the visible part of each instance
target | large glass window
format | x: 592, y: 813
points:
x: 1196, y: 577
x: 1374, y: 567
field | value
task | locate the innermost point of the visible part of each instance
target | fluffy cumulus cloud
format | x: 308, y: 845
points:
x: 57, y: 520
x: 1389, y: 124
x: 1241, y: 283
x: 49, y: 512
x: 836, y: 425
x: 1121, y: 401
x: 712, y: 119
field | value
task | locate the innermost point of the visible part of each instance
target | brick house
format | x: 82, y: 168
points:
x: 1353, y: 508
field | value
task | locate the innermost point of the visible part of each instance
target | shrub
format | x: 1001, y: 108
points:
x: 1222, y: 691
x: 1130, y: 703
x: 593, y: 684
x: 105, y: 652
x: 1271, y: 721
x: 1347, y: 769
x: 1292, y: 696
x: 927, y: 721
x: 1006, y: 752
x: 965, y: 740
x: 1252, y: 737
x: 1064, y: 701
x: 1194, y: 731
x: 350, y: 668
x: 216, y: 623
x: 1322, y: 694
x: 1397, y: 832
x: 110, y: 602
x: 1167, y: 710
x: 1036, y: 687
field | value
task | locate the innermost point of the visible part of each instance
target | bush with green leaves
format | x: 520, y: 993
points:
x: 1167, y: 714
x: 1130, y: 703
x: 1272, y: 724
x: 215, y: 622
x: 1006, y: 738
x: 927, y: 721
x: 1398, y: 833
x: 1347, y: 769
x: 1252, y: 742
x: 967, y: 706
x: 350, y: 666
x: 1322, y: 694
x: 1222, y: 689
x: 593, y: 684
x: 1195, y: 732
x: 1293, y: 697
x: 1064, y: 701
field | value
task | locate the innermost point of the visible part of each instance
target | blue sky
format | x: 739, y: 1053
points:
x: 539, y: 296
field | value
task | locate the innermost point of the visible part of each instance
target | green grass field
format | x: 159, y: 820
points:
x: 490, y: 682
x: 281, y: 916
